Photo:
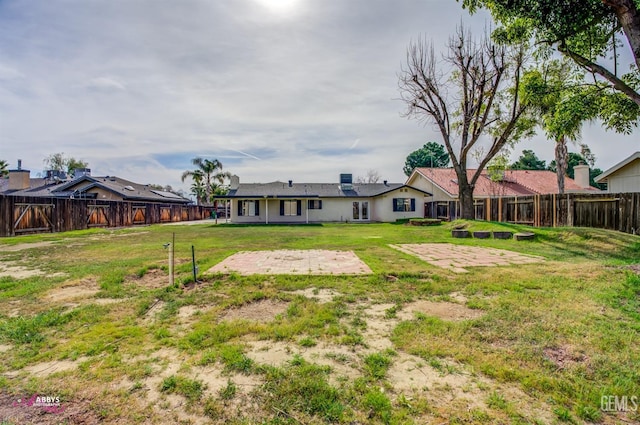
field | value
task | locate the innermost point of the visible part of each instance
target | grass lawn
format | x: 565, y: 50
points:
x: 89, y: 317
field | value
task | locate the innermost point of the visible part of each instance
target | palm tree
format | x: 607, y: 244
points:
x: 207, y: 172
x: 197, y: 187
x: 3, y: 168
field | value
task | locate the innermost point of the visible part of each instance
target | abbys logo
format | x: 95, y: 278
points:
x: 47, y: 403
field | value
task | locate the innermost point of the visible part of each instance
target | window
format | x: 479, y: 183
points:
x: 356, y: 210
x: 314, y: 204
x: 248, y: 208
x: 291, y: 208
x: 365, y: 210
x: 404, y: 204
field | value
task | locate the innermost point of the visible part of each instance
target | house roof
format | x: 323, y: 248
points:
x: 37, y: 187
x: 514, y: 183
x: 618, y: 166
x: 313, y: 190
x: 126, y: 189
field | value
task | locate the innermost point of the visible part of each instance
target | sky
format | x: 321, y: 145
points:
x: 298, y: 90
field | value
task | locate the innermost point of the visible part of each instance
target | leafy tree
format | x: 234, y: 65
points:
x: 563, y: 105
x: 473, y: 90
x: 4, y: 171
x: 207, y: 173
x: 574, y: 159
x: 588, y: 32
x: 529, y: 161
x: 431, y: 155
x: 60, y: 162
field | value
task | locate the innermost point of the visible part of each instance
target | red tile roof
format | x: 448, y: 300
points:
x: 515, y: 182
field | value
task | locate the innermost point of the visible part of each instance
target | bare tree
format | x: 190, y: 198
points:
x: 373, y: 176
x: 472, y: 91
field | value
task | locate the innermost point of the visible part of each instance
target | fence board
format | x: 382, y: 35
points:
x: 620, y: 211
x: 61, y: 215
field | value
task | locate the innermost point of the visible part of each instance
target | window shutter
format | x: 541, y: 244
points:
x: 299, y: 205
x: 320, y: 204
x: 395, y: 204
x: 257, y: 203
x: 239, y: 208
x: 281, y: 207
x: 413, y: 204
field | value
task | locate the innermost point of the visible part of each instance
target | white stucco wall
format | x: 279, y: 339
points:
x: 626, y: 179
x: 383, y: 208
x: 336, y: 209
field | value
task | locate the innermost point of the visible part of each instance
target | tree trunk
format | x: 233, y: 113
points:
x: 466, y: 202
x: 629, y: 18
x: 561, y: 162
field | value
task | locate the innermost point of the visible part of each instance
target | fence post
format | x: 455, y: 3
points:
x: 570, y: 207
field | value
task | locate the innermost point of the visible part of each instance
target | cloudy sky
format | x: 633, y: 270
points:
x: 275, y: 89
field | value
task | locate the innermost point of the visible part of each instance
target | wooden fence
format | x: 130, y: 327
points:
x: 24, y: 215
x: 616, y: 211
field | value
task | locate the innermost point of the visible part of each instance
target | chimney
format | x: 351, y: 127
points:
x: 19, y: 179
x: 581, y: 175
x: 235, y: 182
x: 80, y: 172
x: 290, y: 183
x: 346, y: 181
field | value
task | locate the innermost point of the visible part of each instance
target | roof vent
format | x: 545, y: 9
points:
x: 290, y: 183
x: 129, y: 188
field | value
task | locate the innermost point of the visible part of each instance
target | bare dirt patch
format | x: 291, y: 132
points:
x: 85, y: 288
x: 259, y: 311
x: 152, y: 279
x: 410, y: 373
x: 564, y: 356
x: 18, y: 272
x: 442, y: 310
x: 5, y: 347
x: 23, y: 246
x: 312, y: 261
x: 321, y: 295
x: 48, y: 368
x: 188, y: 313
x: 73, y: 412
x: 343, y: 361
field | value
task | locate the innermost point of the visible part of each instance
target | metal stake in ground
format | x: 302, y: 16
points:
x: 193, y: 263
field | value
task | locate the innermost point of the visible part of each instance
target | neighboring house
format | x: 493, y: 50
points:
x: 279, y: 202
x: 623, y: 177
x: 109, y: 188
x: 443, y: 184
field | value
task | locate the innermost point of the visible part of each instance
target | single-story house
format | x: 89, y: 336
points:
x: 443, y: 184
x: 85, y: 186
x: 624, y: 176
x: 289, y: 202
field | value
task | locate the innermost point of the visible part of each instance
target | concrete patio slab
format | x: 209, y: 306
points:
x: 312, y: 261
x: 457, y: 257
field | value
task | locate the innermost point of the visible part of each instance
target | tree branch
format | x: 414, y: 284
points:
x: 593, y: 67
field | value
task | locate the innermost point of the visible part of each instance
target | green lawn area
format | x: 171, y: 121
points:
x: 90, y: 317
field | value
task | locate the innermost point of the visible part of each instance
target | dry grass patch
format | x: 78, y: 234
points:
x: 442, y: 310
x: 262, y: 311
